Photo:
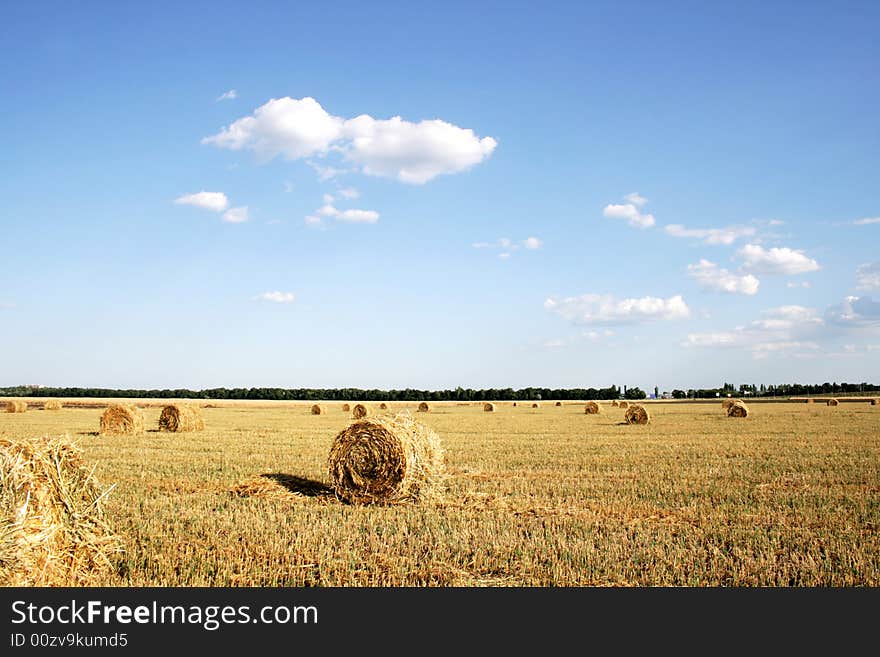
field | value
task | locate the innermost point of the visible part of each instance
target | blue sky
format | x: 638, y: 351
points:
x: 491, y: 194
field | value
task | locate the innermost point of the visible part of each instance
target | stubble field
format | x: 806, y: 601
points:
x: 789, y: 496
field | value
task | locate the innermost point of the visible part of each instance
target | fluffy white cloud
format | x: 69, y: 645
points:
x: 277, y: 297
x: 855, y: 312
x: 629, y: 212
x: 795, y: 284
x: 636, y: 199
x: 866, y: 221
x: 776, y: 260
x: 764, y: 349
x: 712, y: 277
x: 605, y: 309
x: 532, y: 243
x: 236, y: 215
x: 214, y: 201
x: 507, y: 246
x: 722, y: 339
x: 232, y: 94
x: 393, y: 148
x: 868, y: 276
x: 712, y: 236
x: 349, y: 216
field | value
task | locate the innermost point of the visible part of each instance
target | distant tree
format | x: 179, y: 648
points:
x: 679, y: 394
x: 635, y: 393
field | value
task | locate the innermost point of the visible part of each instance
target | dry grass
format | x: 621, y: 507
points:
x: 52, y: 405
x: 16, y: 406
x: 424, y: 407
x: 592, y: 408
x: 181, y: 417
x: 623, y: 404
x: 386, y: 460
x: 52, y: 526
x: 317, y: 409
x: 359, y: 411
x: 121, y: 419
x: 738, y: 409
x: 636, y: 414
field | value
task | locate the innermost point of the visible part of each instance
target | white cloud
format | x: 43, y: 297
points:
x: 358, y: 216
x: 508, y: 246
x: 722, y: 339
x: 504, y: 256
x: 712, y: 236
x: 313, y: 221
x: 776, y: 260
x: 532, y: 243
x: 328, y: 198
x: 712, y: 277
x: 636, y: 199
x: 236, y: 215
x: 629, y: 212
x: 482, y: 245
x: 775, y: 222
x: 605, y: 309
x: 327, y: 210
x: 276, y: 297
x: 214, y: 201
x: 764, y: 349
x: 866, y: 221
x: 393, y: 148
x: 326, y: 172
x: 504, y: 242
x: 795, y: 284
x: 349, y: 193
x: 855, y: 312
x: 232, y: 94
x: 868, y: 276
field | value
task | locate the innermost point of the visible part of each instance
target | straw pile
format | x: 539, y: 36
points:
x: 386, y: 460
x: 359, y: 411
x: 346, y: 408
x: 727, y: 403
x: 52, y: 526
x: 536, y: 405
x: 52, y: 405
x: 424, y: 407
x: 614, y: 402
x: 875, y: 402
x: 317, y: 409
x: 181, y: 417
x: 514, y: 403
x: 636, y: 415
x: 810, y: 401
x: 623, y: 404
x: 383, y: 406
x: 591, y: 408
x: 738, y: 409
x: 832, y: 402
x: 122, y: 419
x: 489, y: 407
x: 559, y: 403
x: 16, y: 406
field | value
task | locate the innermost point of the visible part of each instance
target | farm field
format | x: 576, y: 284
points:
x: 549, y: 496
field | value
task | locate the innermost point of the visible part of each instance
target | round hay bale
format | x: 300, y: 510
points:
x: 424, y: 407
x: 591, y: 408
x: 623, y: 404
x: 636, y: 414
x: 488, y: 407
x: 558, y: 404
x: 832, y: 402
x: 346, y: 408
x: 52, y: 405
x: 16, y: 406
x: 181, y: 417
x: 383, y: 406
x: 726, y: 403
x: 52, y: 515
x: 386, y: 460
x: 317, y: 409
x: 875, y: 402
x: 614, y: 402
x: 810, y: 401
x: 120, y: 419
x: 360, y: 410
x: 514, y: 403
x: 738, y: 409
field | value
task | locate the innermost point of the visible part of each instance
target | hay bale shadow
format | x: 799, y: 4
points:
x: 88, y: 433
x: 300, y: 485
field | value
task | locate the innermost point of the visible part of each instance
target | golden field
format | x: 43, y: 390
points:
x: 548, y: 496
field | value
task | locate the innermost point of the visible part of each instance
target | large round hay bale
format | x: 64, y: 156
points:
x: 591, y: 408
x: 614, y: 402
x: 386, y: 460
x: 424, y: 407
x: 51, y: 513
x: 726, y: 403
x: 383, y: 406
x: 346, y: 408
x: 16, y: 406
x: 52, y: 405
x: 121, y: 419
x: 317, y: 409
x: 623, y: 404
x: 832, y: 402
x: 636, y: 414
x: 488, y: 407
x: 360, y: 410
x: 181, y: 417
x: 738, y: 409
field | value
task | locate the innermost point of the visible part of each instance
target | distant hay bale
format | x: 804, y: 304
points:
x: 738, y: 409
x: 488, y: 407
x: 16, y: 406
x: 181, y: 417
x: 832, y: 402
x: 614, y: 402
x: 536, y: 405
x: 317, y: 409
x: 636, y: 414
x: 122, y: 419
x: 623, y: 404
x: 360, y: 410
x: 346, y: 408
x: 386, y: 460
x: 591, y: 408
x: 52, y: 526
x: 52, y: 405
x: 810, y: 401
x: 558, y: 404
x: 424, y: 407
x: 514, y: 403
x: 383, y: 406
x: 875, y: 402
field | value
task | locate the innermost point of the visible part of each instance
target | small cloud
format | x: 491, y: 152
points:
x: 214, y: 201
x: 713, y: 236
x: 328, y: 198
x: 532, y: 243
x: 276, y: 297
x: 554, y: 344
x: 636, y: 199
x: 232, y: 94
x: 866, y: 221
x: 782, y: 260
x: 712, y: 277
x: 791, y: 285
x: 775, y: 222
x: 236, y: 215
x: 358, y: 216
x: 606, y: 309
x: 630, y: 211
x: 349, y: 193
x: 868, y: 276
x: 504, y: 256
x: 326, y: 173
x: 313, y: 221
x: 482, y: 245
x: 854, y: 312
